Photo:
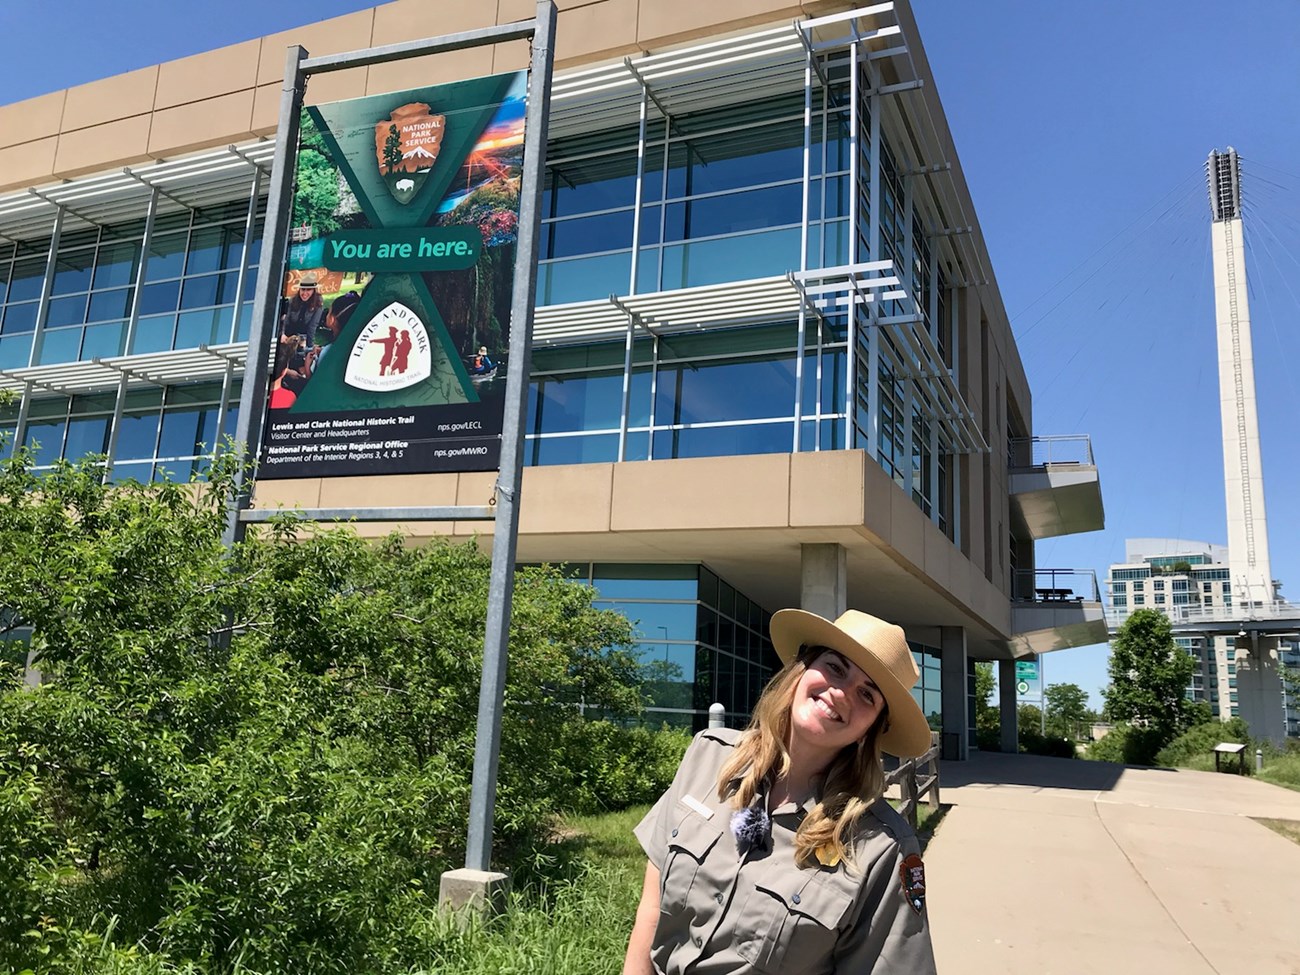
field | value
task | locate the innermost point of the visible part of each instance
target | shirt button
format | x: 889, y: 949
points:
x: 718, y: 898
x: 795, y: 898
x: 697, y: 941
x: 674, y: 832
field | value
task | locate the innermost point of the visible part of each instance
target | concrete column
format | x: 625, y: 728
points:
x: 954, y: 744
x: 824, y: 579
x: 1259, y: 688
x: 1007, y: 705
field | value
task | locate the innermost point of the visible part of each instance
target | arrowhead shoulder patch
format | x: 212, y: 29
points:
x: 911, y: 875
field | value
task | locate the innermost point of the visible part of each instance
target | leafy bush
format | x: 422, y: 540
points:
x: 260, y: 759
x: 1196, y: 745
x: 1127, y: 745
x: 988, y: 739
x: 1032, y: 743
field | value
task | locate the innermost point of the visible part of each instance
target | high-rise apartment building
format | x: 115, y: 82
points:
x: 1190, y: 582
x: 771, y: 363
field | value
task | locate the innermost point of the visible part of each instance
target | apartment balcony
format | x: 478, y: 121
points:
x: 1054, y: 487
x: 1055, y: 609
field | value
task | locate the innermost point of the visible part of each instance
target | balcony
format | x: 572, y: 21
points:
x: 1055, y: 609
x: 1054, y: 487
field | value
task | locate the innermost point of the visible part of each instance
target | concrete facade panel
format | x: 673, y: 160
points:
x: 208, y: 75
x: 102, y: 147
x: 701, y: 493
x: 392, y: 490
x: 826, y: 488
x: 117, y: 97
x: 566, y: 499
x: 32, y: 119
x: 666, y: 22
x: 511, y: 56
x: 302, y: 492
x: 200, y: 125
x: 434, y: 69
x: 351, y: 32
x: 30, y: 163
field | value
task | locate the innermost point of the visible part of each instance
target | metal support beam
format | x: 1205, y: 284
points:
x: 47, y: 287
x: 522, y: 30
x: 487, y: 743
x: 266, y: 302
x: 241, y: 287
x: 431, y: 513
x: 119, y: 404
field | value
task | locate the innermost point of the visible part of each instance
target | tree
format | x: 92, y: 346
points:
x: 316, y: 189
x: 987, y: 715
x: 261, y: 757
x: 1067, y: 710
x: 1149, y: 674
x: 393, y: 149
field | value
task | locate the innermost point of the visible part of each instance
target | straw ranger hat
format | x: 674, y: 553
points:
x: 308, y: 280
x: 880, y: 649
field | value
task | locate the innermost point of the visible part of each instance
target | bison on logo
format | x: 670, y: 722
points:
x: 406, y: 147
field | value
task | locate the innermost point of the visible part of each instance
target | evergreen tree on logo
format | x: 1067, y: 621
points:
x: 393, y: 149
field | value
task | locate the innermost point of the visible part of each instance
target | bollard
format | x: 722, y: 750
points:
x: 717, y: 716
x: 1259, y: 759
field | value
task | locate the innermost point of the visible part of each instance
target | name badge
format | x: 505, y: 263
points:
x: 697, y: 806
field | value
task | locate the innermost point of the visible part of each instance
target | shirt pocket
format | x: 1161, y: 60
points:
x: 689, y: 843
x: 795, y: 928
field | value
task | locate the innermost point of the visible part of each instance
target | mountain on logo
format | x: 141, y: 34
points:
x: 406, y: 148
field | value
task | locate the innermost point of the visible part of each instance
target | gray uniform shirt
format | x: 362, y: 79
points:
x: 722, y: 913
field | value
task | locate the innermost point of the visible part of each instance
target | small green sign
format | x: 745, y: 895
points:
x: 402, y: 249
x: 1027, y: 670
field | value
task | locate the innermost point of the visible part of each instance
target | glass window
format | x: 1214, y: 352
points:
x: 588, y: 235
x: 756, y: 255
x: 584, y: 278
x: 66, y: 311
x: 117, y: 264
x: 166, y: 256
x: 730, y: 160
x: 155, y: 298
x: 185, y: 432
x: 27, y: 279
x: 109, y: 304
x: 153, y: 334
x: 713, y: 391
x: 601, y: 449
x: 212, y: 289
x: 72, y: 271
x: 60, y: 345
x: 734, y: 213
x: 590, y: 402
x: 761, y: 438
x: 20, y: 318
x: 646, y: 581
x: 86, y: 436
x: 596, y: 183
x: 46, y: 439
x: 138, y: 435
x: 651, y: 621
x: 205, y: 251
x: 103, y: 340
x: 15, y: 351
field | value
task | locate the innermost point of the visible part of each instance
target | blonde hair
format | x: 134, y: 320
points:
x: 854, y: 779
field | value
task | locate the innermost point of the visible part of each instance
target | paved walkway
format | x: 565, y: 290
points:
x: 1051, y: 867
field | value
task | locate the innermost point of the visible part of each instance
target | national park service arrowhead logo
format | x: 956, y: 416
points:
x: 392, y: 352
x: 911, y: 876
x: 406, y: 147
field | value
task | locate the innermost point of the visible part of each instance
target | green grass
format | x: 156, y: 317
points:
x: 571, y: 916
x: 1283, y: 770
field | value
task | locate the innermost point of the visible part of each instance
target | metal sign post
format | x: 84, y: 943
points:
x: 253, y: 397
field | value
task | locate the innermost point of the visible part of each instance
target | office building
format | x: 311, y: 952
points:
x: 771, y: 363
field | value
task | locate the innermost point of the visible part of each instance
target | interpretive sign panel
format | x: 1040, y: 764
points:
x: 395, y: 313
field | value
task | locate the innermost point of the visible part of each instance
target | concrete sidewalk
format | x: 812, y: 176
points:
x: 1070, y: 867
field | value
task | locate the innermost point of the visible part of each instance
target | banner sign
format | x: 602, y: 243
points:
x: 390, y: 353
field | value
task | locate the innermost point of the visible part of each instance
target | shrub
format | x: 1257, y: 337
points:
x: 989, y: 739
x: 1032, y: 743
x: 1195, y: 746
x: 1126, y: 745
x: 262, y: 757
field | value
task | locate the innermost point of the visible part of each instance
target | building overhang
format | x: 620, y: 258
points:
x: 1040, y: 627
x: 744, y: 517
x: 1054, y: 487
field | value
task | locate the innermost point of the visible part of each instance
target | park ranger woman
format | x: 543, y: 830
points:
x: 773, y: 850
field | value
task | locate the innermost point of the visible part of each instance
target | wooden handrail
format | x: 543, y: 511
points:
x: 912, y: 788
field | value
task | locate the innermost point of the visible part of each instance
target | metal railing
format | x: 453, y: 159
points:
x: 1024, y: 453
x: 1052, y: 586
x: 1192, y: 613
x: 915, y: 783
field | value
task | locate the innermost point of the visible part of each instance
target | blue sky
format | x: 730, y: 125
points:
x: 1082, y: 129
